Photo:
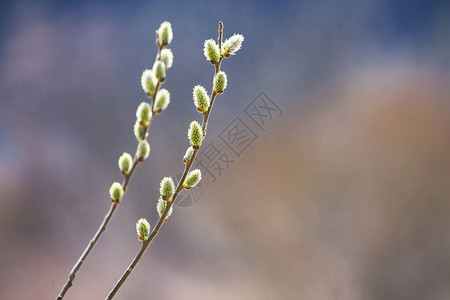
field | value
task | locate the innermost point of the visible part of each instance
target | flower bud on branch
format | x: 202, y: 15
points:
x: 220, y: 82
x: 160, y: 70
x: 167, y: 57
x: 116, y: 192
x: 232, y: 45
x: 125, y: 162
x: 140, y: 132
x: 195, y: 134
x: 148, y: 82
x: 201, y: 98
x: 167, y: 188
x: 165, y: 34
x: 192, y: 179
x: 143, y: 150
x: 143, y: 229
x: 162, y: 100
x: 187, y: 157
x: 144, y: 113
x: 211, y: 51
x: 161, y: 206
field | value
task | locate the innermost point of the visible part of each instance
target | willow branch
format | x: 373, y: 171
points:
x: 113, y: 207
x: 169, y: 204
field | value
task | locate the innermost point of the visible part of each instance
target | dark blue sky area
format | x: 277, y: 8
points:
x: 404, y: 18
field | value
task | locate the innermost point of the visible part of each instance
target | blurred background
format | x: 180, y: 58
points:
x: 344, y: 194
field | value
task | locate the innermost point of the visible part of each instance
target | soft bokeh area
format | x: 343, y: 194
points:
x: 342, y: 193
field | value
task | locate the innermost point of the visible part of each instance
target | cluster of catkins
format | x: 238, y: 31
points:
x: 151, y: 80
x: 196, y: 133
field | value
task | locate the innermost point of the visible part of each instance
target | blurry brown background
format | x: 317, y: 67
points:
x: 344, y: 196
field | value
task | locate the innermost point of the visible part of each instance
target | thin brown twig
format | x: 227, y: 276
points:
x: 169, y: 204
x: 113, y: 207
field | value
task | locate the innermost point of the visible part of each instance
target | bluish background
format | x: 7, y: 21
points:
x: 343, y: 197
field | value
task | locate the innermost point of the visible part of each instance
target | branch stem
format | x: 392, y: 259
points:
x: 112, y: 209
x: 169, y: 204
